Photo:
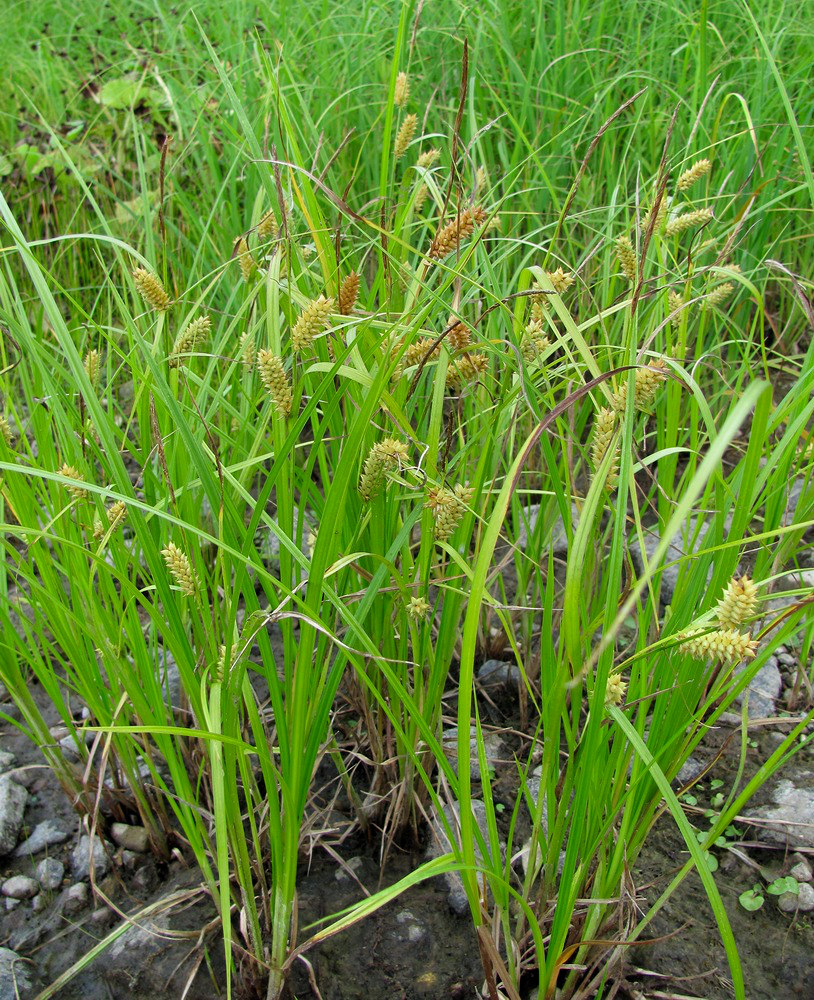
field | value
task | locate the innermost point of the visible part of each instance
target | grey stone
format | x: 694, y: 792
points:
x: 11, y: 904
x: 492, y: 745
x: 39, y: 902
x: 790, y: 819
x: 440, y: 844
x: 675, y: 550
x: 49, y: 873
x: 558, y: 541
x: 801, y: 901
x: 795, y: 493
x: 801, y: 870
x: 787, y: 659
x: 7, y: 761
x: 15, y: 976
x: 102, y: 917
x: 269, y: 542
x: 74, y: 898
x: 132, y: 838
x: 20, y: 887
x: 689, y: 771
x: 494, y: 673
x: 46, y: 834
x: 83, y: 854
x: 805, y: 901
x: 129, y: 860
x: 764, y: 690
x: 147, y: 941
x: 343, y: 875
x: 170, y: 675
x: 25, y: 776
x: 787, y: 902
x: 13, y: 798
x: 71, y: 743
x: 410, y: 931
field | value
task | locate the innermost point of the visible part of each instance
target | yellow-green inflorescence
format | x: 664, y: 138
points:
x: 311, y: 322
x: 687, y: 220
x: 603, y: 439
x: 385, y: 457
x: 151, y: 289
x: 448, y: 508
x: 723, y: 645
x: 738, y: 603
x: 181, y: 569
x: 69, y: 472
x: 694, y: 173
x: 188, y: 339
x: 726, y: 643
x: 418, y: 609
x: 274, y: 378
x: 615, y: 690
x: 626, y: 256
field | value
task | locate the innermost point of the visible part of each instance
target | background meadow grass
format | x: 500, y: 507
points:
x: 291, y: 110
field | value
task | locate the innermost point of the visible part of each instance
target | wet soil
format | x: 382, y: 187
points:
x: 416, y: 947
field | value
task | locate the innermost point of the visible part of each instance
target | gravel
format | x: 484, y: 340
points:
x: 439, y: 844
x: 410, y: 930
x: 20, y: 887
x: 13, y: 798
x: 496, y: 673
x: 764, y: 690
x: 132, y: 838
x: 791, y: 816
x: 15, y: 978
x: 492, y: 744
x: 46, y: 834
x: 793, y: 902
x: 801, y: 871
x: 558, y: 541
x: 49, y: 873
x: 74, y: 898
x: 82, y: 855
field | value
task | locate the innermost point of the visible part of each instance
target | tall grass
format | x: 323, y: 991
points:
x: 305, y: 504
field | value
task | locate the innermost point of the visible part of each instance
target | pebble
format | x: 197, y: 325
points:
x: 132, y: 838
x: 801, y: 870
x: 439, y: 844
x: 764, y: 690
x: 806, y: 898
x: 12, y: 904
x: 13, y: 799
x: 410, y: 930
x: 791, y: 817
x: 355, y: 864
x: 7, y: 761
x: 690, y: 770
x: 49, y: 873
x: 793, y: 902
x: 129, y: 860
x: 20, y: 887
x: 493, y: 748
x: 675, y: 551
x: 74, y: 898
x: 101, y: 917
x: 558, y: 540
x: 39, y: 902
x: 26, y: 776
x: 15, y: 977
x: 46, y: 834
x: 81, y: 858
x: 493, y: 673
